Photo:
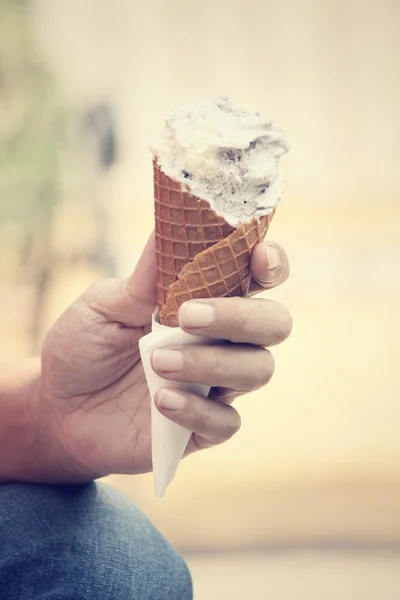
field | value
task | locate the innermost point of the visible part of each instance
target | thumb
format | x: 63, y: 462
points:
x: 142, y: 284
x: 269, y: 267
x: 129, y: 301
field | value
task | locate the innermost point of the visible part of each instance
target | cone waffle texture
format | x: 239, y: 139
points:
x: 198, y: 254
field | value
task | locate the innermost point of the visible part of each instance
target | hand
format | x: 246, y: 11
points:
x: 94, y: 403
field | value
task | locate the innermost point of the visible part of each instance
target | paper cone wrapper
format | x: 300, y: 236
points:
x: 168, y: 440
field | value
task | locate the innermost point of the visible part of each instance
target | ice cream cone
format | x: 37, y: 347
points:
x: 217, y: 183
x: 198, y: 254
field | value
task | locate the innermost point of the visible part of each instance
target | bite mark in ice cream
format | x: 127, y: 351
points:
x: 226, y: 155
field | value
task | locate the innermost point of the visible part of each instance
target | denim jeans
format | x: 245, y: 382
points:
x: 80, y: 542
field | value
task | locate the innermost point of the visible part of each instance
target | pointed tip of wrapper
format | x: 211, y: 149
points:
x: 168, y: 440
x: 159, y: 488
x: 163, y: 475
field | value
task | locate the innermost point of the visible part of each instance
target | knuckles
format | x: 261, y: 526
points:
x: 255, y: 321
x: 241, y: 366
x: 283, y: 324
x: 233, y: 424
x: 204, y: 413
x: 263, y: 374
x: 275, y: 327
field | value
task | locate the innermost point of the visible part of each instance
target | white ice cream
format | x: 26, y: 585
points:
x: 226, y: 155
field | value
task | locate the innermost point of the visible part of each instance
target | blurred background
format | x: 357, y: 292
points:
x: 305, y: 501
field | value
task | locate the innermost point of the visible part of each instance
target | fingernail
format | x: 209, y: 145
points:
x: 170, y: 399
x: 272, y: 257
x: 196, y: 315
x: 170, y: 361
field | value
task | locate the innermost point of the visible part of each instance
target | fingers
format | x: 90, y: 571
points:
x: 238, y: 366
x: 224, y: 395
x: 251, y: 321
x: 212, y: 422
x: 269, y: 267
x: 229, y: 369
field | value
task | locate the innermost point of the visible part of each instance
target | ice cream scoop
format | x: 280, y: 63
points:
x: 226, y: 155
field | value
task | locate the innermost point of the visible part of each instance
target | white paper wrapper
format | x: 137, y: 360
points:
x: 168, y: 440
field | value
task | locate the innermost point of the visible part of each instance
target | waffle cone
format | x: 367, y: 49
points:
x: 198, y: 255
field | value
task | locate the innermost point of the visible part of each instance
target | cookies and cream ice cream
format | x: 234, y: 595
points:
x: 226, y: 155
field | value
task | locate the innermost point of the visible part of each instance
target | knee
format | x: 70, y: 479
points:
x: 99, y: 545
x: 151, y: 565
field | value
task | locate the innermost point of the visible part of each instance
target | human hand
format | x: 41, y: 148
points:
x: 94, y: 405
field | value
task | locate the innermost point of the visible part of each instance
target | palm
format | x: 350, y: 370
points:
x: 93, y: 378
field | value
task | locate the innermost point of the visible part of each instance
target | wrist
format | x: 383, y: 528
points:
x: 51, y: 460
x: 31, y: 444
x: 18, y: 387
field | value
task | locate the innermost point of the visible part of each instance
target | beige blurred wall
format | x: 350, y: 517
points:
x: 326, y: 70
x: 319, y: 453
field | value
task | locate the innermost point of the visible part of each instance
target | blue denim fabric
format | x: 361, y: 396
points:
x: 81, y: 542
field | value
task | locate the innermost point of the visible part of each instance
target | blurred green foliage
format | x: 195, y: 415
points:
x: 30, y: 124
